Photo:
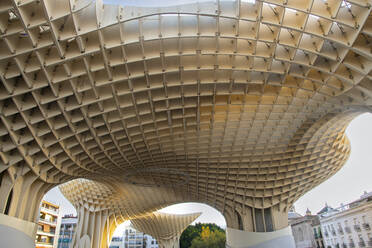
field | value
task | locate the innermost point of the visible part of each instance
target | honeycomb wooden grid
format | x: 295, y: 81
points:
x: 250, y: 99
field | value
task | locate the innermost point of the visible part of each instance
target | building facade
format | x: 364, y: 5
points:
x: 150, y: 242
x: 306, y: 230
x: 117, y: 242
x: 133, y: 238
x: 350, y: 225
x: 67, y: 230
x: 48, y: 225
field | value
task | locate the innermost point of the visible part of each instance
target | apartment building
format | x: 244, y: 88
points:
x: 348, y: 226
x: 67, y: 230
x: 150, y: 242
x: 133, y: 239
x: 117, y: 242
x: 48, y: 225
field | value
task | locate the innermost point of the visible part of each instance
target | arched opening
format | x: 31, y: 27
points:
x: 57, y: 220
x: 210, y: 217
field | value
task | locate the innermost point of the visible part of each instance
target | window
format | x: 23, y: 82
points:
x: 300, y: 234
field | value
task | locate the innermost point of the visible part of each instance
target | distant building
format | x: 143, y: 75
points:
x: 133, y: 239
x: 306, y: 230
x: 67, y: 230
x: 48, y: 226
x: 150, y: 242
x: 348, y: 226
x: 117, y: 242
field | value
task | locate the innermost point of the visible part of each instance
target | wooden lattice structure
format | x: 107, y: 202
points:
x: 239, y: 104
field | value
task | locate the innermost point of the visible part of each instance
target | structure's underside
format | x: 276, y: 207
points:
x: 165, y: 228
x: 239, y: 104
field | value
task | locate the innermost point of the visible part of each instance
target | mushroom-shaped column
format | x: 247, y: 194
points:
x: 165, y: 228
x: 96, y: 220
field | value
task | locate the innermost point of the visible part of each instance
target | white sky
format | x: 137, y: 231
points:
x: 346, y: 186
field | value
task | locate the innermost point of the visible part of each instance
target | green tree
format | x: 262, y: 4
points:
x: 203, y: 236
x: 215, y: 239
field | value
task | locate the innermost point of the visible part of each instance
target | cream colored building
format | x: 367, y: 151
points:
x: 48, y: 225
x: 138, y: 105
x: 349, y: 226
x: 306, y: 230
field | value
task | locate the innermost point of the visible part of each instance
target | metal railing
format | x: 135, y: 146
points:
x: 50, y: 211
x: 44, y: 243
x: 362, y: 244
x: 48, y: 221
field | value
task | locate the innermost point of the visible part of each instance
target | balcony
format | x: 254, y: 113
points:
x: 362, y: 244
x: 347, y: 229
x: 41, y: 232
x: 370, y: 242
x: 351, y: 245
x: 357, y: 228
x: 366, y: 226
x: 44, y: 244
x: 326, y: 234
x: 50, y: 222
x: 49, y: 211
x: 344, y: 245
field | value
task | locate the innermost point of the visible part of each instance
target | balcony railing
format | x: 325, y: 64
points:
x: 347, y: 229
x: 44, y: 243
x: 362, y: 244
x: 326, y: 234
x: 41, y: 232
x: 48, y: 221
x: 357, y: 228
x: 49, y: 211
x: 370, y: 242
x: 351, y: 245
x: 366, y: 226
x: 344, y: 245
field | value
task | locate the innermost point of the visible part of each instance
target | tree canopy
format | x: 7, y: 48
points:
x: 203, y: 236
